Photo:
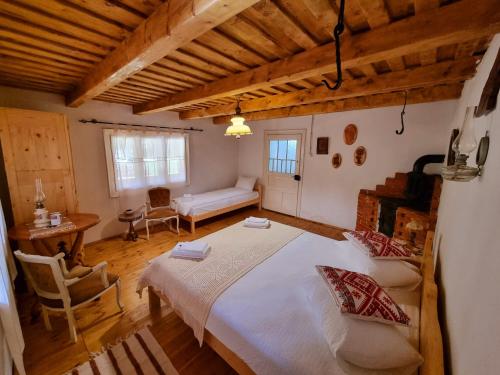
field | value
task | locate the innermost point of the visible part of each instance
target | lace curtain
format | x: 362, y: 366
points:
x: 143, y: 159
x: 11, y: 337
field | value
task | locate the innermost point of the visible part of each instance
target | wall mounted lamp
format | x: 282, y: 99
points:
x: 464, y: 144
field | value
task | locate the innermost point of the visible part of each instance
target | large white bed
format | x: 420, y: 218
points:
x: 264, y: 318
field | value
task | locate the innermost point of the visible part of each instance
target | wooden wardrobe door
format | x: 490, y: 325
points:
x: 36, y: 144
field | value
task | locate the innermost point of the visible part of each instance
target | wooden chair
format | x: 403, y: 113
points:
x: 61, y: 290
x: 158, y: 208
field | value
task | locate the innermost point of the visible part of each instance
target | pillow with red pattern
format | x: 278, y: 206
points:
x: 359, y: 295
x: 377, y: 245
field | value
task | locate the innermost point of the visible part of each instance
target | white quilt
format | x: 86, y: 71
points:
x: 188, y: 205
x: 264, y: 317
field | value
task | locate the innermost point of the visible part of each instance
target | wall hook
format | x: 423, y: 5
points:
x: 402, y: 130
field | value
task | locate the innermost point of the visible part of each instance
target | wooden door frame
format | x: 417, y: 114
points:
x: 303, y: 134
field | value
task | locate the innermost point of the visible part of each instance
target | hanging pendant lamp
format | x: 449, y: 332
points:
x: 238, y: 126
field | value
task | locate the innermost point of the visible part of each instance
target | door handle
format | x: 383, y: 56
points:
x: 296, y: 177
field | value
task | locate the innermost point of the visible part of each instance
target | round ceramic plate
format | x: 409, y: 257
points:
x: 350, y: 134
x: 336, y: 160
x: 360, y: 155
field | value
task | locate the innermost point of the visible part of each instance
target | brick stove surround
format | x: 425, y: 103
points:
x: 368, y: 210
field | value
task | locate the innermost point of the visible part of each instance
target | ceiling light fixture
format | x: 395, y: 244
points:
x: 238, y: 126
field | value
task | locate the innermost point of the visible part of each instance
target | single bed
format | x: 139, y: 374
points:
x: 251, y: 323
x: 197, y: 207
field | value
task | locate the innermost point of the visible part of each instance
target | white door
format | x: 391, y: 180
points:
x: 282, y: 171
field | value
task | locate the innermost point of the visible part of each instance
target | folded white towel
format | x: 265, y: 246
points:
x: 263, y: 225
x: 189, y: 254
x: 253, y: 219
x: 193, y: 246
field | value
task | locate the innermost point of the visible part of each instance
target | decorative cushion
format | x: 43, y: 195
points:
x: 378, y: 245
x: 360, y: 347
x: 359, y: 295
x: 246, y: 183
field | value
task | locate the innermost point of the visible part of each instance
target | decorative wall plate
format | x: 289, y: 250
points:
x: 350, y: 134
x: 360, y: 155
x: 336, y: 160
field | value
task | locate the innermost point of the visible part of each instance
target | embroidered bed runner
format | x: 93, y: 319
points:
x: 193, y: 286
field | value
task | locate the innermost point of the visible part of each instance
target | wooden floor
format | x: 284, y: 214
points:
x: 101, y: 323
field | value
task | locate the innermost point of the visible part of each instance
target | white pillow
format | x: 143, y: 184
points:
x: 360, y: 347
x: 246, y: 183
x: 387, y: 273
x: 393, y: 274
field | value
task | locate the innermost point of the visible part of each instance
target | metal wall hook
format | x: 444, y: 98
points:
x: 402, y: 130
x: 339, y: 29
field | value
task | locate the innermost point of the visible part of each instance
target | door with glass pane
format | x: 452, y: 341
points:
x: 282, y: 171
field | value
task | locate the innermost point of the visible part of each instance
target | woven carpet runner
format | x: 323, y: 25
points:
x: 139, y: 354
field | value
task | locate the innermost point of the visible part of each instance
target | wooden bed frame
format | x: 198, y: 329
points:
x: 193, y: 219
x: 430, y: 338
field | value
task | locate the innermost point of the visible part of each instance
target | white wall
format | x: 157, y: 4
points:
x: 213, y: 157
x: 469, y: 251
x: 330, y: 195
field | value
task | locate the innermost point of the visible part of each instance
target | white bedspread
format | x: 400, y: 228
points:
x: 212, y: 200
x: 264, y: 319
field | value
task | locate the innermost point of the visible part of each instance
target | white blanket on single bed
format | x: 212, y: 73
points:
x: 192, y: 287
x: 187, y: 205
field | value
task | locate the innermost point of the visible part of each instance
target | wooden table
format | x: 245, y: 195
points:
x: 130, y: 218
x: 42, y: 245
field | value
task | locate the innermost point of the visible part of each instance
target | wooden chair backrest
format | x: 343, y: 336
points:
x: 44, y: 274
x: 159, y: 197
x: 431, y: 341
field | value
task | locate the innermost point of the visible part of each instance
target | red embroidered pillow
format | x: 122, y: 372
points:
x: 361, y: 296
x: 378, y: 245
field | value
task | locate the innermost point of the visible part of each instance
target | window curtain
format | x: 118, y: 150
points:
x: 11, y: 337
x: 143, y: 159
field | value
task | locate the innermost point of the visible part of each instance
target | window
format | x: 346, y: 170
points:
x: 282, y: 156
x: 139, y: 159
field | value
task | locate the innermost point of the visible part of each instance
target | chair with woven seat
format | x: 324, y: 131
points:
x: 61, y: 290
x: 158, y: 208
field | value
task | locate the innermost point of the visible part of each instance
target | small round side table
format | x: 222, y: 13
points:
x: 130, y: 218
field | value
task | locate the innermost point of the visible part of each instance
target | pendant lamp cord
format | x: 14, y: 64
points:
x: 238, y: 109
x: 339, y: 29
x: 401, y: 131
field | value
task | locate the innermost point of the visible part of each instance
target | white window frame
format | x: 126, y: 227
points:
x: 110, y: 165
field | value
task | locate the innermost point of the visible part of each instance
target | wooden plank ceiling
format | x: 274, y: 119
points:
x: 195, y: 56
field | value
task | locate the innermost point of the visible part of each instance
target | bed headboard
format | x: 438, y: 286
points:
x: 431, y: 342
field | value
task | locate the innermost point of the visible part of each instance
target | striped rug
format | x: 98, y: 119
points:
x: 139, y: 354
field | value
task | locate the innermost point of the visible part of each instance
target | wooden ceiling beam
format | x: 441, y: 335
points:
x: 457, y: 22
x: 441, y: 73
x: 423, y: 95
x: 172, y: 25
